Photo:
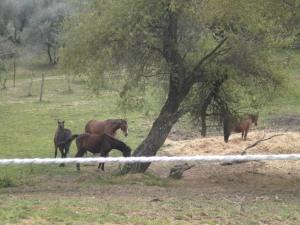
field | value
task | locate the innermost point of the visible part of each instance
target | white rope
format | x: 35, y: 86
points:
x: 203, y: 158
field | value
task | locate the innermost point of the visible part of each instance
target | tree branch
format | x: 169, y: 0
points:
x: 197, y: 67
x: 257, y: 142
x: 248, y: 147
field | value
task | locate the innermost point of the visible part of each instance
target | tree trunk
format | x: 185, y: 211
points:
x: 203, y: 123
x: 156, y: 137
x: 178, y: 89
x: 214, y: 92
x: 162, y: 126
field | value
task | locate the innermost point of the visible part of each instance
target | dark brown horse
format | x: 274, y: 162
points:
x: 102, y: 144
x: 106, y: 127
x: 61, y: 137
x: 232, y: 124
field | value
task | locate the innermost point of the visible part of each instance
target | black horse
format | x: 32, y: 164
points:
x: 102, y: 144
x: 62, y: 139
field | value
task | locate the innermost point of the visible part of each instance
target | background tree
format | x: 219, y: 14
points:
x: 44, y: 28
x: 33, y: 25
x: 188, y: 44
x: 15, y: 16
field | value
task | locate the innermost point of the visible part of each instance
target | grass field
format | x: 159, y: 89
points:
x: 55, y: 195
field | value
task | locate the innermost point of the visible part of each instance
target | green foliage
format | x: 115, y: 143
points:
x: 126, y: 37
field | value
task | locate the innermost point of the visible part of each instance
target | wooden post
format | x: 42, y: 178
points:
x: 14, y: 70
x: 42, y: 87
x: 30, y: 86
x: 69, y: 83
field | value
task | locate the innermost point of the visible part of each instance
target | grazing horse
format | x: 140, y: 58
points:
x: 102, y: 144
x: 109, y: 126
x: 232, y: 124
x: 62, y: 139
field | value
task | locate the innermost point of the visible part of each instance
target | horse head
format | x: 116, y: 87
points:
x: 124, y: 127
x: 254, y: 118
x: 126, y: 151
x: 61, y: 124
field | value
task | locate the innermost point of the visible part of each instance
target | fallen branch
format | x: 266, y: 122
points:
x: 257, y: 142
x: 248, y: 147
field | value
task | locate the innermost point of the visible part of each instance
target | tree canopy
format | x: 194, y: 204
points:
x: 190, y: 45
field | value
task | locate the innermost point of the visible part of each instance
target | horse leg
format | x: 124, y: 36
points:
x: 67, y: 148
x: 80, y: 153
x: 243, y: 132
x: 101, y: 165
x: 61, y: 149
x: 246, y: 132
x: 55, y: 151
x: 62, y: 152
x: 66, y: 151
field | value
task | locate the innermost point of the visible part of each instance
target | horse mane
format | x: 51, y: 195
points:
x: 117, y: 120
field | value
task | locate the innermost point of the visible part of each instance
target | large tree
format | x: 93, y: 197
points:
x: 188, y: 44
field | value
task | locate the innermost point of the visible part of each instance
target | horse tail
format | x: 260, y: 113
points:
x: 227, y: 128
x: 69, y: 140
x: 73, y: 137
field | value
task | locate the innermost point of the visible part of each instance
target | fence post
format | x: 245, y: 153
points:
x: 42, y: 87
x: 30, y: 86
x: 14, y: 70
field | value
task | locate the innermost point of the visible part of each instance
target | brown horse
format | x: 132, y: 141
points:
x: 107, y: 127
x: 102, y: 144
x: 239, y: 126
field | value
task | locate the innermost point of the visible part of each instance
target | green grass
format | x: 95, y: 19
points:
x: 39, y: 209
x: 56, y: 195
x: 28, y: 126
